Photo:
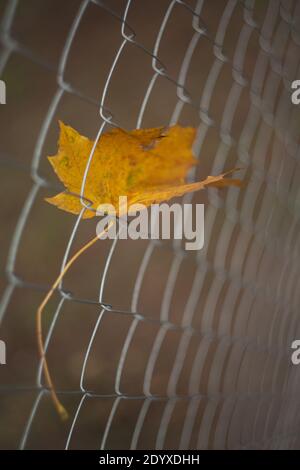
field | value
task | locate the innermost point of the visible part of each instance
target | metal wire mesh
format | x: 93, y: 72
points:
x: 221, y: 321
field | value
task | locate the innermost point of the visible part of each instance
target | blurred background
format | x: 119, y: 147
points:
x: 195, y: 350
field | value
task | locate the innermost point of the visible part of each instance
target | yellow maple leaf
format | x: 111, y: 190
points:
x: 146, y: 165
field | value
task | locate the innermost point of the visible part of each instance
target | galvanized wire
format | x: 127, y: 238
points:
x: 268, y: 115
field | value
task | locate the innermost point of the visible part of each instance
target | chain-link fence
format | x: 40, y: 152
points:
x: 151, y: 346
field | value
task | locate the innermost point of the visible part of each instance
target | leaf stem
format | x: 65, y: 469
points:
x: 58, y: 405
